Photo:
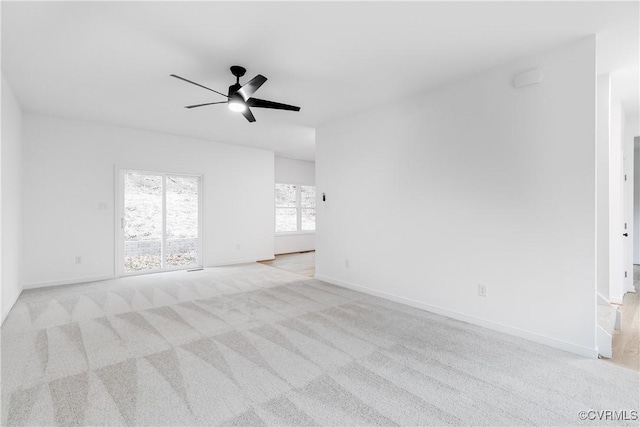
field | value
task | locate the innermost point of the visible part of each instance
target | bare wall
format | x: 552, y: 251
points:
x: 602, y: 177
x: 632, y: 130
x: 616, y: 204
x: 475, y: 183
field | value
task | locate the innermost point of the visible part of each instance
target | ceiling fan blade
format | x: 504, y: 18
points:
x: 202, y: 105
x: 261, y: 103
x: 251, y: 86
x: 198, y: 84
x: 248, y: 115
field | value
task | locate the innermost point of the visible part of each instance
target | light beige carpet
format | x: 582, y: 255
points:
x: 255, y: 345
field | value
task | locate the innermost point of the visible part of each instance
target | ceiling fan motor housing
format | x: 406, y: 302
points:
x: 234, y: 88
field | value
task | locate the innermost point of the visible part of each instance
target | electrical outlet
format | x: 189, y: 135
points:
x: 482, y: 290
x: 78, y: 259
x: 102, y: 206
x: 346, y: 263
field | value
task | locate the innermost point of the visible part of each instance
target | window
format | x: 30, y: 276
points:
x: 286, y: 207
x: 295, y: 208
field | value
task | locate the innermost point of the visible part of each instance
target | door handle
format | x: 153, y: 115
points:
x: 625, y: 234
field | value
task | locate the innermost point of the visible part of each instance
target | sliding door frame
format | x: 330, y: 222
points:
x: 119, y: 218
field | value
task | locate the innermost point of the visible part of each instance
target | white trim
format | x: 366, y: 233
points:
x: 37, y: 285
x: 4, y: 315
x: 118, y: 213
x: 163, y: 239
x: 200, y: 221
x: 510, y: 330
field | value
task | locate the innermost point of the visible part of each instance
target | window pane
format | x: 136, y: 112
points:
x: 182, y: 221
x: 286, y: 219
x: 308, y: 219
x: 308, y: 196
x: 143, y: 222
x: 285, y: 196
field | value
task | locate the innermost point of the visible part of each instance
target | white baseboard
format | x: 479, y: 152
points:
x: 67, y: 282
x: 510, y: 330
x: 15, y: 299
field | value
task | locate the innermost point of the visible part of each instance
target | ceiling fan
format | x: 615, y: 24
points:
x: 239, y: 97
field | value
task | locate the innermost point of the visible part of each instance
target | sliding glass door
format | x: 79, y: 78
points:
x: 159, y: 222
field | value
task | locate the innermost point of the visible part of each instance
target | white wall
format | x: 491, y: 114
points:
x: 636, y: 203
x: 602, y: 178
x: 632, y: 130
x: 475, y: 183
x: 621, y: 194
x: 291, y: 171
x: 628, y: 189
x: 11, y: 200
x: 69, y: 169
x: 616, y: 211
x: 295, y: 171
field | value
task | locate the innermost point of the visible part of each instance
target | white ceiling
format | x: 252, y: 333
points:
x: 110, y: 62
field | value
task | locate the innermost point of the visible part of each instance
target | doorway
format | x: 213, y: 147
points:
x: 303, y: 263
x: 159, y: 222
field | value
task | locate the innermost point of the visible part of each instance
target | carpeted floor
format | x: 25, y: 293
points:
x: 255, y: 345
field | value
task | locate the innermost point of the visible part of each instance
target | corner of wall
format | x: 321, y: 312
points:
x: 10, y: 200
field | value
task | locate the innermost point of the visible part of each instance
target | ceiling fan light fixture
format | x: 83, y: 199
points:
x: 237, y: 106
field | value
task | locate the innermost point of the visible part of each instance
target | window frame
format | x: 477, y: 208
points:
x: 298, y: 209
